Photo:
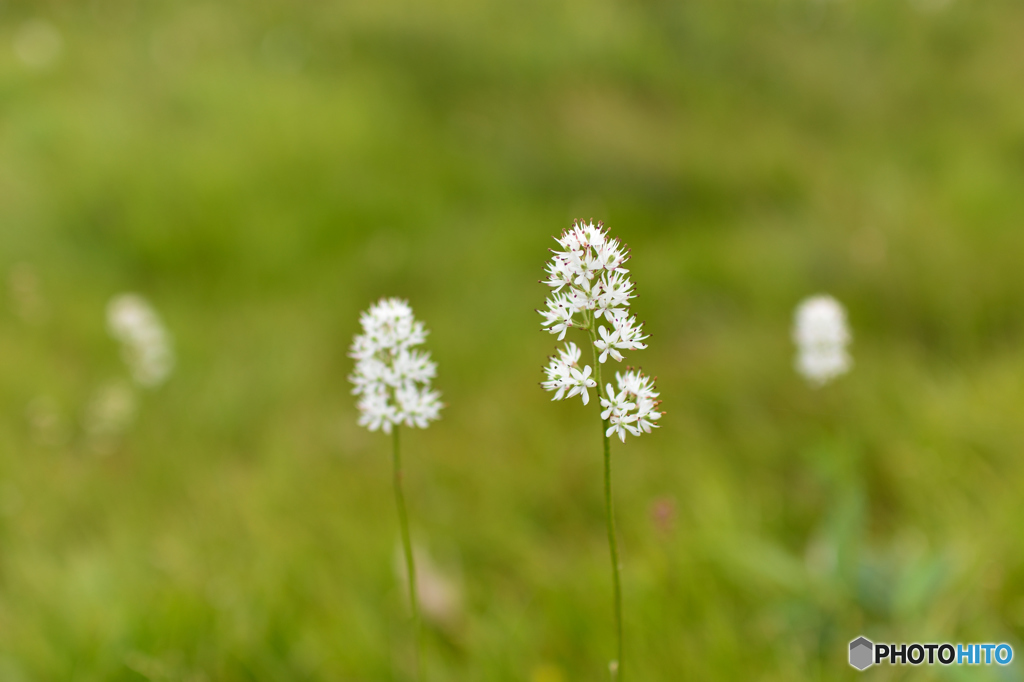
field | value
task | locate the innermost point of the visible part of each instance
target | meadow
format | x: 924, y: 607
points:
x: 261, y: 172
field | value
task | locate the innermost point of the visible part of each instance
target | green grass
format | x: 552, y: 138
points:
x: 263, y: 171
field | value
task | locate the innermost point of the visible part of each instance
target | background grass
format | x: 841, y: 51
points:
x: 262, y: 171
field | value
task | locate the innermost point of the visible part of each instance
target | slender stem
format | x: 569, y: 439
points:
x: 616, y: 666
x: 410, y: 564
x: 614, y: 547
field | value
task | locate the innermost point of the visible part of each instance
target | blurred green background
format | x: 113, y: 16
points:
x: 263, y: 171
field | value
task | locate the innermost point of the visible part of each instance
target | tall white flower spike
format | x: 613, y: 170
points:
x: 392, y: 379
x: 591, y: 290
x: 145, y: 343
x: 822, y: 335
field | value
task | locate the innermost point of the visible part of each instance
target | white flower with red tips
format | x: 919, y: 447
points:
x: 633, y: 408
x: 591, y: 291
x: 566, y: 377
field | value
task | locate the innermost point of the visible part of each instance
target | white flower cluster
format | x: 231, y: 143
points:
x: 566, y: 377
x: 589, y: 284
x: 821, y: 335
x: 391, y: 379
x: 633, y: 407
x: 145, y: 344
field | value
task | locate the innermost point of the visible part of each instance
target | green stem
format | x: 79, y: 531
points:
x: 410, y: 564
x: 616, y: 666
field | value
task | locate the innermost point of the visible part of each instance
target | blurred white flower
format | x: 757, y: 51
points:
x: 589, y: 284
x: 391, y: 379
x: 821, y: 335
x: 37, y: 44
x: 633, y: 407
x: 145, y: 343
x: 109, y: 413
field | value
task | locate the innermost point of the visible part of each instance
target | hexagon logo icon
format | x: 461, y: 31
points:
x: 861, y: 653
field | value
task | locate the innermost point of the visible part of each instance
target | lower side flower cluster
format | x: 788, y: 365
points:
x: 633, y: 408
x: 565, y: 376
x: 381, y: 407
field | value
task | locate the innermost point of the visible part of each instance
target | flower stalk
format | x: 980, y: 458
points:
x: 615, y: 667
x: 392, y: 379
x: 410, y: 562
x: 591, y: 291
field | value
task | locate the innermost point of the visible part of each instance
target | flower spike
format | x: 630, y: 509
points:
x: 591, y: 291
x: 391, y: 378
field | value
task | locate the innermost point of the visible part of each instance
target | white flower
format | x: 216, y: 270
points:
x: 607, y: 345
x: 392, y: 379
x: 145, y: 344
x: 558, y: 316
x: 626, y: 335
x: 821, y: 335
x: 565, y: 375
x: 633, y: 408
x: 417, y: 406
x: 588, y: 283
x: 614, y: 294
